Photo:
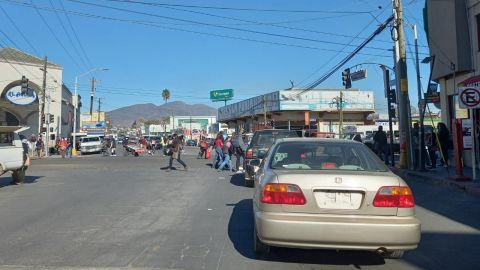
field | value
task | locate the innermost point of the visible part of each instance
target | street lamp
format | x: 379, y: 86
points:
x: 74, y: 150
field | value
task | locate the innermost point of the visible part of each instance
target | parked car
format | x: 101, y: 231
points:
x: 90, y: 145
x: 332, y: 194
x: 192, y: 143
x: 12, y: 152
x: 261, y: 141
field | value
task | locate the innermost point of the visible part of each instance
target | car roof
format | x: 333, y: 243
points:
x: 329, y: 140
x: 12, y: 128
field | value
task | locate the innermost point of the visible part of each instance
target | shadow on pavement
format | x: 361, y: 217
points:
x: 240, y: 232
x: 238, y: 179
x: 452, y: 204
x: 6, y: 180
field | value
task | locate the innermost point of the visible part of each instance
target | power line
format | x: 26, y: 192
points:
x: 343, y: 49
x: 209, y: 24
x: 247, y: 21
x: 54, y: 35
x: 75, y: 34
x: 256, y: 9
x: 19, y: 30
x: 68, y: 35
x: 152, y: 24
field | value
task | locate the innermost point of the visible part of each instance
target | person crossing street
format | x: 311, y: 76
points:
x: 176, y: 153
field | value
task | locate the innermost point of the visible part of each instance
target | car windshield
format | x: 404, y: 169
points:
x: 91, y: 139
x: 325, y: 156
x: 267, y: 139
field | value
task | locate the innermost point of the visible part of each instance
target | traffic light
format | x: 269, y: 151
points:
x: 392, y: 96
x: 347, y: 81
x: 24, y: 85
x: 43, y: 118
x: 51, y: 117
x: 392, y: 111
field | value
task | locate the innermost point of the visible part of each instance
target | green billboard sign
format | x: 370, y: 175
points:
x: 221, y: 95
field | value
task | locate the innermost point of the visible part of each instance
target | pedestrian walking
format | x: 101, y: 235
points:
x: 62, y: 147
x: 240, y: 148
x: 69, y: 148
x: 227, y: 150
x: 380, y: 144
x: 431, y: 141
x: 218, y: 146
x: 113, y: 147
x: 39, y: 147
x: 444, y: 140
x: 176, y: 153
x: 203, y: 148
x: 415, y: 145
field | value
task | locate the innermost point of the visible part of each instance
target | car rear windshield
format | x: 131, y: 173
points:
x: 267, y: 139
x: 325, y: 156
x: 91, y: 139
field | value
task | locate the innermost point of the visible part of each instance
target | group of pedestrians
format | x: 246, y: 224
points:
x: 438, y: 141
x: 226, y: 147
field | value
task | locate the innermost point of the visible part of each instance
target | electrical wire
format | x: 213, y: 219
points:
x: 69, y: 38
x: 54, y: 35
x: 19, y: 31
x: 152, y: 24
x: 75, y: 34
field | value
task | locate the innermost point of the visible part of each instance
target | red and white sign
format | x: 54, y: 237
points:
x: 469, y: 97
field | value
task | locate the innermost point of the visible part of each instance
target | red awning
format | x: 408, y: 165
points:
x: 470, y: 81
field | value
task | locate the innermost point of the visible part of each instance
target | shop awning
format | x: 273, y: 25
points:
x: 470, y: 81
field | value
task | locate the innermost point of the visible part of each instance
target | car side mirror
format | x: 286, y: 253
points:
x: 255, y: 162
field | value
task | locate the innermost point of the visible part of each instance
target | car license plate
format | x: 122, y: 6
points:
x: 339, y: 199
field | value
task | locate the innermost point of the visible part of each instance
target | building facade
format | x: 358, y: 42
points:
x: 298, y: 109
x: 453, y: 32
x: 25, y: 108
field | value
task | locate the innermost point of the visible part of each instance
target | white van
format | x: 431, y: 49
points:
x: 12, y: 152
x: 90, y: 145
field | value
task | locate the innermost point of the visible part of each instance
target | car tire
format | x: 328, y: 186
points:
x: 18, y: 175
x: 395, y: 254
x: 259, y: 247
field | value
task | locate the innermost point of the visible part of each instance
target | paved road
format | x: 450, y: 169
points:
x: 125, y: 212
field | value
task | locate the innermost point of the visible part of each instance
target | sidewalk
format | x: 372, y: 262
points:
x: 442, y: 177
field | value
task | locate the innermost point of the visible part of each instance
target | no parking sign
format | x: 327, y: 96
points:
x: 469, y: 98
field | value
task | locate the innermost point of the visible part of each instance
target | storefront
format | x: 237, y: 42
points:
x: 27, y: 105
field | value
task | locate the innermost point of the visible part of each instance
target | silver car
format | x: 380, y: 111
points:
x: 332, y: 194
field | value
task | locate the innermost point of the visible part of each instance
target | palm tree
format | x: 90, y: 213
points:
x: 166, y: 95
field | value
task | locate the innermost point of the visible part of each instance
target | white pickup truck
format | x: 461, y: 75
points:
x: 12, y: 152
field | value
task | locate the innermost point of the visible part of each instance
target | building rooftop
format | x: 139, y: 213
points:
x: 17, y: 56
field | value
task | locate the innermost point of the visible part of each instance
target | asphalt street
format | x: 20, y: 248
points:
x: 126, y: 212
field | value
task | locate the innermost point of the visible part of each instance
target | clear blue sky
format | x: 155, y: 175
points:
x: 145, y: 54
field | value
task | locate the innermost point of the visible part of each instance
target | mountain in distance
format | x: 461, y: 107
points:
x: 125, y: 116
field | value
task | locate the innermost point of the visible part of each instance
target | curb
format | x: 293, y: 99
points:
x: 468, y: 187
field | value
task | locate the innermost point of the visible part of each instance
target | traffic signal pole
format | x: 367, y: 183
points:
x: 402, y: 86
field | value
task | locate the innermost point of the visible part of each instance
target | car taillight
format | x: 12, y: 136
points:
x: 282, y: 194
x: 249, y: 153
x: 401, y: 197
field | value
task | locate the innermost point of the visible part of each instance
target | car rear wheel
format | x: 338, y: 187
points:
x: 259, y: 247
x: 395, y: 254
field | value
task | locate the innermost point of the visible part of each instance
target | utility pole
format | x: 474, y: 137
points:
x: 44, y: 90
x: 98, y: 111
x: 340, y: 126
x: 388, y: 91
x: 402, y: 85
x: 421, y: 106
x: 264, y: 111
x: 92, y: 92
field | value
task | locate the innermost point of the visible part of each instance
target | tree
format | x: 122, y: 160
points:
x: 164, y: 122
x: 165, y: 95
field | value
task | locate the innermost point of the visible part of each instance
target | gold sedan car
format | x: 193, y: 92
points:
x: 332, y: 194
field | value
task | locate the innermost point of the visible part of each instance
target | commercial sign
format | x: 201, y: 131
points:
x: 94, y: 127
x: 323, y: 100
x: 221, y: 95
x: 15, y: 96
x: 203, y: 123
x: 469, y: 97
x: 467, y: 134
x: 359, y: 75
x: 250, y: 107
